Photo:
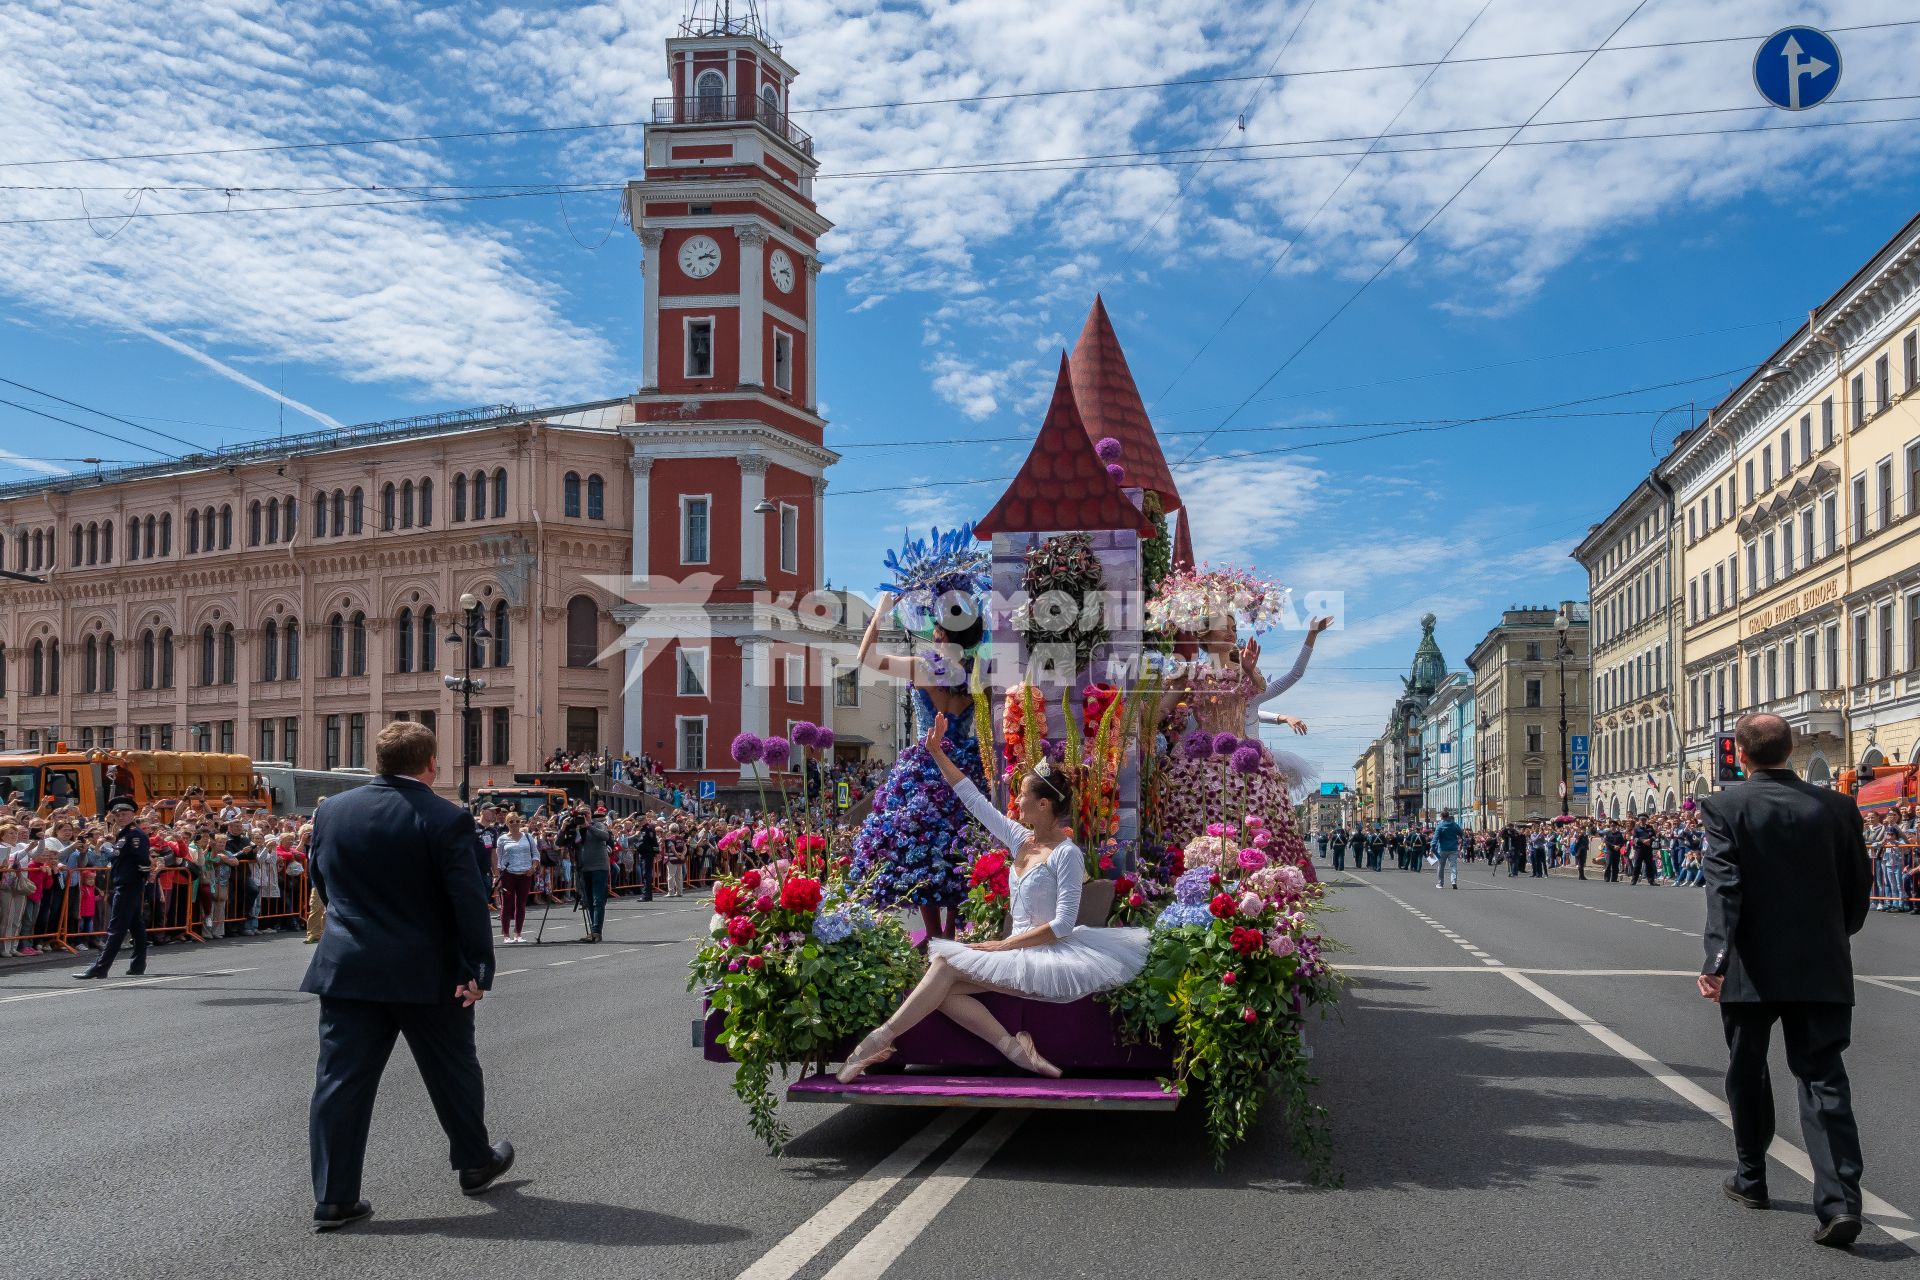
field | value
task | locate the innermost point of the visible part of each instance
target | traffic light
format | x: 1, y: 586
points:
x: 1727, y: 760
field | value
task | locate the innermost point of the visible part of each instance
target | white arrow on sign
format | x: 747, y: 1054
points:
x: 1799, y: 64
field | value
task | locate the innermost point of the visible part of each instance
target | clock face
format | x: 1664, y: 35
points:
x: 700, y: 257
x: 781, y: 267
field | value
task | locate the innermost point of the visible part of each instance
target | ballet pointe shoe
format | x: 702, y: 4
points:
x: 875, y: 1049
x: 1019, y: 1050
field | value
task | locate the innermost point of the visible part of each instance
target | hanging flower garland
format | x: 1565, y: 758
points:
x: 1202, y: 600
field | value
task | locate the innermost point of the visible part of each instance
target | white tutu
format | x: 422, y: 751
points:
x: 1083, y: 962
x: 1299, y: 771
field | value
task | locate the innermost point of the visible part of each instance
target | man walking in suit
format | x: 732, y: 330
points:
x: 1787, y: 884
x: 407, y: 951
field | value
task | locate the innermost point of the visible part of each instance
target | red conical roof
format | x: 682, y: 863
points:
x: 1110, y: 405
x: 1063, y: 484
x: 1183, y: 544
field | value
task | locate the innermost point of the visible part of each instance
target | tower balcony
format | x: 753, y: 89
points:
x: 708, y: 109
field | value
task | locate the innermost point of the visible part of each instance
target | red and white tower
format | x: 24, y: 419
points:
x: 729, y: 464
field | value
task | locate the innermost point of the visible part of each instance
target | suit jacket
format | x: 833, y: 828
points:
x: 1788, y: 882
x: 407, y: 918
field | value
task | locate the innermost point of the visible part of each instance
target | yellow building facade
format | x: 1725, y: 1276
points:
x: 1794, y: 510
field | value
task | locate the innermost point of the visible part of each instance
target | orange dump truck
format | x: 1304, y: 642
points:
x: 51, y: 780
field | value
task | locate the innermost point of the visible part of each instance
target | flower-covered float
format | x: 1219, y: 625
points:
x: 1183, y: 814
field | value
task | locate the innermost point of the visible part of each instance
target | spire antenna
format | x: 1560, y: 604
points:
x: 727, y: 18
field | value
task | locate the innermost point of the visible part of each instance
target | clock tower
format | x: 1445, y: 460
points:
x: 729, y: 461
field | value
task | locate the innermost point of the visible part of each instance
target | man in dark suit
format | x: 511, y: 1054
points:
x: 408, y: 951
x: 1787, y: 884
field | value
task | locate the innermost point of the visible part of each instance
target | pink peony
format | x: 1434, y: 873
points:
x: 1292, y: 879
x: 1282, y: 945
x: 1261, y: 839
x: 764, y: 903
x: 1216, y: 829
x: 1252, y: 859
x: 1251, y: 904
x: 1255, y: 822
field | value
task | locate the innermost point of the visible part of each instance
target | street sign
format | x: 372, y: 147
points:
x: 1563, y: 790
x: 1446, y: 748
x: 708, y: 790
x: 843, y: 795
x: 1797, y: 68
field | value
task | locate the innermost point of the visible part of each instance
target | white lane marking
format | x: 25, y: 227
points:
x: 602, y: 956
x: 896, y: 1232
x: 555, y: 964
x: 626, y: 951
x: 110, y: 985
x: 800, y: 1246
x: 1878, y: 1211
x: 1882, y: 982
x: 508, y: 973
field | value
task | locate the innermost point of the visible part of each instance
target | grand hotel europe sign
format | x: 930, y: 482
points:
x: 1793, y: 606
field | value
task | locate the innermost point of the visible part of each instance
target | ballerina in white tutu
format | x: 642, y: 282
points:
x: 1046, y: 955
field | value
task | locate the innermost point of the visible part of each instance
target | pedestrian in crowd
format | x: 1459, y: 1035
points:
x: 1446, y: 849
x: 1614, y: 842
x: 676, y: 854
x: 515, y: 855
x: 1643, y: 852
x: 392, y: 966
x: 645, y: 850
x: 1337, y: 842
x: 132, y: 864
x: 1787, y: 885
x: 596, y: 844
x: 1580, y: 841
x: 1537, y: 853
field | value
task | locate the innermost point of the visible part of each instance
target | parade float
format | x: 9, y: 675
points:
x: 1184, y: 818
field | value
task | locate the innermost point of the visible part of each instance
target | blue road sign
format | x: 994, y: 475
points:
x: 1580, y: 762
x: 1797, y: 68
x: 708, y: 790
x: 1578, y: 743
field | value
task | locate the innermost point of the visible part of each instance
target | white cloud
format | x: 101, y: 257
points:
x: 39, y: 466
x: 1240, y: 508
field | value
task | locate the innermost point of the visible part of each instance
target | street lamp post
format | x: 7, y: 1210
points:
x: 1561, y: 652
x: 466, y: 684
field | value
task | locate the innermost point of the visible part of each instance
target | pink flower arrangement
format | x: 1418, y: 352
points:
x: 1254, y: 822
x: 1282, y: 945
x: 1252, y: 859
x: 1216, y: 829
x: 1252, y: 904
x: 1211, y: 852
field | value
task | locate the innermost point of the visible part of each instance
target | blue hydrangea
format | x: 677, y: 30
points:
x: 1184, y: 914
x: 832, y: 927
x: 1194, y: 887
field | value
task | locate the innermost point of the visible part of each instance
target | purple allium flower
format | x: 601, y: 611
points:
x: 776, y: 750
x: 1118, y: 472
x: 1054, y: 749
x: 1250, y: 742
x: 747, y: 749
x: 822, y: 738
x: 1108, y: 448
x: 1198, y: 746
x: 1245, y: 760
x: 1225, y: 744
x: 806, y: 734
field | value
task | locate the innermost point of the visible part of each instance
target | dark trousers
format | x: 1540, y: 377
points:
x: 1537, y: 860
x: 1612, y: 875
x: 1339, y: 857
x: 356, y: 1038
x: 1643, y: 862
x: 125, y: 914
x: 646, y: 879
x: 1580, y: 862
x: 593, y: 895
x: 1816, y: 1035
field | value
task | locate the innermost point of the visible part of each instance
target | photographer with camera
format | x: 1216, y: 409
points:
x: 592, y: 865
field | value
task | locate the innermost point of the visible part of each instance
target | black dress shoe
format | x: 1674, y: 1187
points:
x: 1838, y: 1232
x: 141, y: 972
x: 475, y: 1181
x: 88, y: 973
x: 1751, y: 1199
x: 332, y: 1217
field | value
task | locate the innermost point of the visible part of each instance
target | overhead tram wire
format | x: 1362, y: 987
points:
x: 54, y: 417
x: 956, y: 100
x: 1417, y: 232
x: 1294, y: 240
x: 111, y: 417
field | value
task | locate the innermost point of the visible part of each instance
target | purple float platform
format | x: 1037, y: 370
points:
x: 1018, y: 1092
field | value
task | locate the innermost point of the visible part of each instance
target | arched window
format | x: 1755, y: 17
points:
x: 270, y: 651
x: 426, y: 503
x: 459, y: 498
x: 53, y: 666
x: 36, y: 675
x: 429, y: 642
x: 596, y: 498
x: 502, y: 654
x: 149, y: 664
x: 89, y: 666
x: 106, y: 543
x: 406, y: 506
x: 133, y: 537
x: 769, y: 104
x: 166, y: 658
x: 109, y: 664
x: 479, y: 495
x: 36, y: 548
x: 148, y: 542
x: 93, y: 544
x: 3, y: 669
x: 357, y: 646
x: 583, y: 631
x: 500, y: 494
x: 709, y: 96
x: 386, y: 506
x: 290, y: 655
x: 79, y: 545
x: 320, y: 515
x: 166, y: 534
x: 273, y: 521
x: 357, y: 509
x: 291, y: 517
x: 570, y: 495
x: 228, y: 657
x: 207, y: 654
x: 253, y: 523
x: 336, y: 645
x: 226, y: 527
x: 193, y: 532
x: 403, y: 641
x: 339, y: 512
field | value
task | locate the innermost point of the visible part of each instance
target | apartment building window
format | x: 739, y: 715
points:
x: 1806, y: 436
x: 1534, y: 738
x: 1533, y: 691
x: 1830, y: 646
x: 1749, y: 474
x: 1860, y: 647
x: 1882, y: 384
x: 1913, y: 631
x: 693, y: 673
x: 1693, y: 600
x: 1883, y: 478
x: 846, y: 688
x: 1718, y: 513
x: 1766, y: 467
x: 1786, y: 545
x: 1826, y: 423
x: 691, y: 739
x: 357, y: 740
x: 693, y: 529
x: 1733, y: 577
x: 1886, y: 640
x: 500, y: 725
x: 1789, y: 667
x: 330, y: 750
x: 1910, y: 357
x: 1692, y: 534
x: 1913, y: 477
x: 1719, y: 587
x: 1533, y: 782
x: 1786, y: 451
x: 1830, y: 524
x: 1859, y: 389
x: 1859, y: 508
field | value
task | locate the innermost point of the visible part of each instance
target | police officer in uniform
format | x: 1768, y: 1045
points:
x: 132, y: 862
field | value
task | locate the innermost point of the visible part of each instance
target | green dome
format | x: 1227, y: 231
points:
x: 1429, y: 666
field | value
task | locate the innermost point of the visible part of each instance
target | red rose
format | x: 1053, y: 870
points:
x: 755, y: 963
x: 800, y: 894
x: 1122, y: 884
x: 1224, y: 906
x: 751, y: 880
x: 764, y: 903
x: 740, y: 931
x: 1244, y: 940
x: 1136, y: 899
x: 1228, y: 978
x: 1213, y: 881
x: 1249, y: 1016
x: 1106, y: 862
x: 728, y: 900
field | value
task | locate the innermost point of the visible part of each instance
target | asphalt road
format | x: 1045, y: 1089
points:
x: 1521, y: 1078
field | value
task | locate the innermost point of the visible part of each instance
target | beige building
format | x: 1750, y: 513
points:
x: 1368, y: 801
x: 1530, y: 672
x: 1629, y: 559
x: 1800, y: 554
x: 286, y: 599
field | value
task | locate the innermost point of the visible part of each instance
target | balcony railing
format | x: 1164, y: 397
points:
x: 717, y: 108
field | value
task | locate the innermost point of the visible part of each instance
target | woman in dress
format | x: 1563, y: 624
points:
x: 1045, y: 956
x: 908, y: 850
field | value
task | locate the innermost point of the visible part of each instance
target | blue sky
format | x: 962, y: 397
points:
x: 1563, y: 272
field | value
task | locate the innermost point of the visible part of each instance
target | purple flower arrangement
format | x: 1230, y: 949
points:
x: 911, y: 850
